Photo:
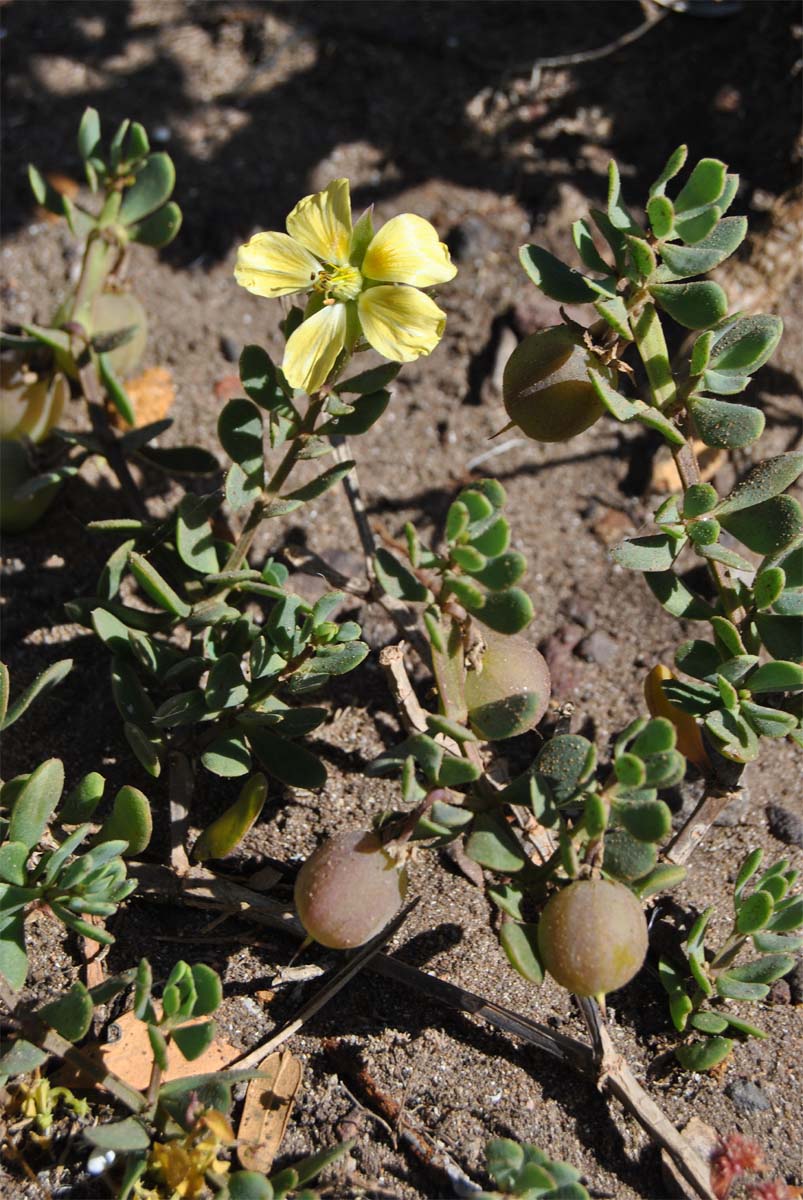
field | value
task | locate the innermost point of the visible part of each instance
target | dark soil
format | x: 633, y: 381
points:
x: 428, y: 108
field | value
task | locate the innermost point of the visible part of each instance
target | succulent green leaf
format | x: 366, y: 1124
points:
x: 656, y: 552
x: 617, y: 405
x: 185, y: 708
x: 226, y: 687
x: 503, y: 571
x: 194, y: 538
x: 36, y: 803
x: 366, y: 412
x: 731, y: 988
x: 618, y: 215
x: 193, y: 1040
x: 49, y: 678
x: 641, y: 255
x: 493, y: 539
x: 13, y: 857
x: 13, y: 959
x: 396, y: 580
x: 695, y: 226
x: 249, y: 1185
x: 744, y: 346
x: 468, y: 559
x: 129, y: 820
x: 704, y: 1055
x: 629, y: 770
x: 145, y: 749
x: 692, y: 305
x: 663, y: 877
x: 88, y: 133
x: 287, y: 761
x: 70, y: 1015
x: 566, y: 761
x: 709, y: 1022
x: 700, y: 355
x: 152, y: 186
x: 754, y: 913
x: 747, y: 870
x: 613, y: 310
x: 673, y: 165
x: 370, y: 381
x: 124, y: 1137
x: 181, y: 460
x: 133, y: 702
x: 726, y: 425
x: 782, y: 635
x: 737, y: 740
x: 239, y: 428
x: 493, y: 845
x: 768, y: 527
x: 676, y: 598
x: 159, y: 228
x: 704, y: 186
x: 771, y: 942
x: 586, y: 248
x: 508, y: 612
x: 656, y: 737
x: 661, y: 214
x: 626, y: 857
x: 325, y: 481
x: 767, y: 479
x: 776, y: 677
x: 728, y: 557
x: 228, y: 757
x: 156, y: 586
x: 647, y: 821
x: 766, y: 969
x: 454, y: 771
x: 706, y: 253
x: 768, y: 586
x: 554, y: 278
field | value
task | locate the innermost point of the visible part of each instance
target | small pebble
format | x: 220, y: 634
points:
x: 229, y: 348
x: 598, y: 648
x: 747, y: 1097
x: 784, y: 825
x: 795, y: 981
x: 780, y: 993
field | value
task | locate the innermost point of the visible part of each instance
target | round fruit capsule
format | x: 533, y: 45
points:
x: 546, y: 389
x: 593, y: 936
x: 348, y: 889
x: 510, y: 693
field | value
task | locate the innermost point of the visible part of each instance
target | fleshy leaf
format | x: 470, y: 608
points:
x: 693, y: 305
x: 554, y: 278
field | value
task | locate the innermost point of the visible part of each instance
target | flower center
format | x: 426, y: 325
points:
x: 339, y: 283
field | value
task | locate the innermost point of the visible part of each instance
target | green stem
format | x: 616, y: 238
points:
x: 94, y: 270
x: 270, y: 492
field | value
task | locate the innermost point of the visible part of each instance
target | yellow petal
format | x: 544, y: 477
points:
x: 407, y: 250
x: 311, y: 351
x: 400, y: 323
x: 273, y: 264
x: 322, y: 222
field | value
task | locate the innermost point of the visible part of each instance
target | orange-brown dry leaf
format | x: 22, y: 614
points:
x: 665, y: 476
x: 266, y: 1111
x: 151, y: 394
x: 130, y: 1055
x: 63, y: 184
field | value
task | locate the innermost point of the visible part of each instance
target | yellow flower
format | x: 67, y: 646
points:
x: 357, y: 281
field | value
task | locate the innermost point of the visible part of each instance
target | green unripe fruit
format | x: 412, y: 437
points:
x: 348, y: 889
x: 592, y: 936
x: 113, y: 311
x: 546, y: 389
x: 510, y: 694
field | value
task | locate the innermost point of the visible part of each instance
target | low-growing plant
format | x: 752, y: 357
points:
x: 95, y: 338
x: 767, y: 918
x: 213, y: 656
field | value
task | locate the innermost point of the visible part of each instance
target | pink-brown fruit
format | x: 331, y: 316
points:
x: 511, y: 693
x: 348, y: 890
x: 545, y: 386
x: 593, y: 936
